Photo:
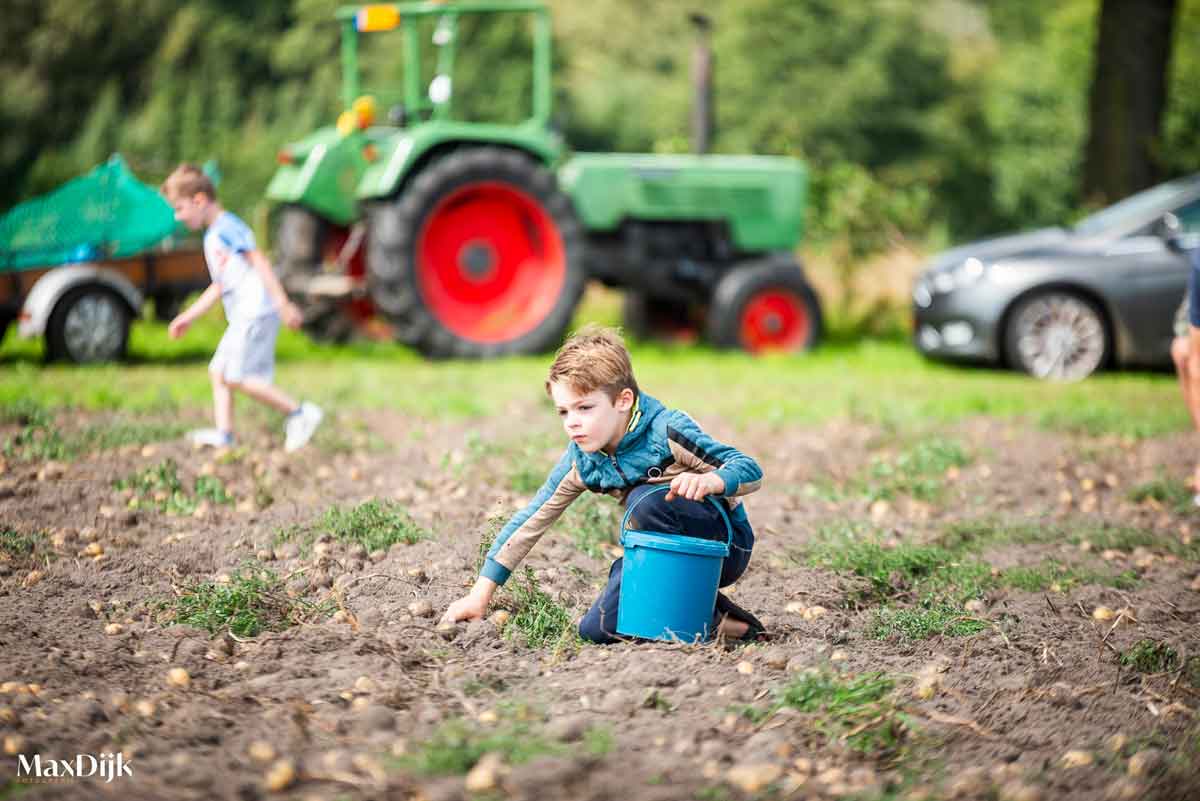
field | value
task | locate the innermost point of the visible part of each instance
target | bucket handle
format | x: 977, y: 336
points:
x: 664, y: 488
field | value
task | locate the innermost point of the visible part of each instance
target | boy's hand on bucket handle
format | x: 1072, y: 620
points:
x: 473, y: 605
x: 695, y: 486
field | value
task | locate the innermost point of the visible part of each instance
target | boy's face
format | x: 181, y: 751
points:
x: 191, y: 210
x: 592, y: 421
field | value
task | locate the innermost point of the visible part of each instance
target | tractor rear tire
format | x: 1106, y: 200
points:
x: 481, y: 255
x: 764, y: 306
x: 301, y: 239
x: 658, y: 319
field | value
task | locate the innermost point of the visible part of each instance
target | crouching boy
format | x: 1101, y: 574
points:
x: 622, y: 443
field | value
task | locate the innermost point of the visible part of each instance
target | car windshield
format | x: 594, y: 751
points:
x: 1134, y: 209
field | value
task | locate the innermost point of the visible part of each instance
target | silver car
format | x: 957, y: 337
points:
x: 1060, y: 303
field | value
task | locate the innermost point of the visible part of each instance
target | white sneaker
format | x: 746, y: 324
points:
x: 210, y: 438
x: 300, y: 426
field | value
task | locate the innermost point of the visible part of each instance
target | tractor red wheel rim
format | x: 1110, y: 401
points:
x: 774, y: 320
x: 490, y: 262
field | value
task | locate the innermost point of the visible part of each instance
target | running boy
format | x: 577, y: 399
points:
x: 254, y: 302
x: 622, y: 443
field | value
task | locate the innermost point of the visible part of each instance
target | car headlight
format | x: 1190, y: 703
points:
x: 960, y: 276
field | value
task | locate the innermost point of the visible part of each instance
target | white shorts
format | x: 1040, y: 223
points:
x: 247, y: 350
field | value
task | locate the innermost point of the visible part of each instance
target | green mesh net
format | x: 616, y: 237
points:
x: 107, y: 213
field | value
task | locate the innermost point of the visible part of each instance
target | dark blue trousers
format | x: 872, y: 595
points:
x: 677, y: 516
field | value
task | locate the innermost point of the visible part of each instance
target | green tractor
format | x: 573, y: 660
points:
x: 475, y: 239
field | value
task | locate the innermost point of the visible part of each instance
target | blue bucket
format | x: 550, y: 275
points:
x: 669, y: 582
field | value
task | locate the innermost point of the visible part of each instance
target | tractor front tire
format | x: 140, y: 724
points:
x: 765, y: 306
x: 481, y: 255
x: 301, y: 239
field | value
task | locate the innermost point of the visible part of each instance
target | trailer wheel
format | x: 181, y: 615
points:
x: 89, y: 324
x: 765, y: 306
x: 653, y: 318
x: 304, y: 242
x: 480, y: 256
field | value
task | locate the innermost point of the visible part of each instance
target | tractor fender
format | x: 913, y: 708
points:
x: 50, y: 288
x: 407, y: 155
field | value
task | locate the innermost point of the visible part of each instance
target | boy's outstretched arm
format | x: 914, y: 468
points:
x: 288, y: 311
x: 185, y: 318
x: 517, y: 537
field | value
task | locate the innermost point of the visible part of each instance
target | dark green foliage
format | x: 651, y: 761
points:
x: 538, y: 617
x: 16, y: 545
x: 253, y: 601
x: 859, y: 709
x: 457, y: 745
x: 1150, y: 656
x: 374, y: 524
x: 1167, y: 490
x: 942, y: 575
x: 377, y: 525
x: 928, y: 619
x: 885, y: 568
x: 918, y: 471
x: 526, y: 480
x: 41, y: 438
x: 159, y: 487
x: 1049, y: 574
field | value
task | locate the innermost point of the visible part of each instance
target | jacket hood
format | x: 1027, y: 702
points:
x: 646, y: 409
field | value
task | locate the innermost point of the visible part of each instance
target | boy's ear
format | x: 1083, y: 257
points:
x: 624, y: 400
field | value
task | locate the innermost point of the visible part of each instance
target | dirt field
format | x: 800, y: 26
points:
x: 1069, y: 675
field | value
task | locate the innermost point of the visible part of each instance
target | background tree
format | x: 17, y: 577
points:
x: 937, y: 121
x: 1128, y: 97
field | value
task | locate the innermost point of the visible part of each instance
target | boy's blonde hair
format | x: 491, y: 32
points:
x: 593, y: 358
x: 186, y: 181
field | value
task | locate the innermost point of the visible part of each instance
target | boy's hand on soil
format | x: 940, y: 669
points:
x: 291, y: 315
x: 469, y: 607
x: 178, y: 326
x: 695, y: 486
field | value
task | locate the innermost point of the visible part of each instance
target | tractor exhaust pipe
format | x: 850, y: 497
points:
x: 702, y: 94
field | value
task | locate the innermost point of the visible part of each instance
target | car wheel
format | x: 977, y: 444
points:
x: 1058, y: 336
